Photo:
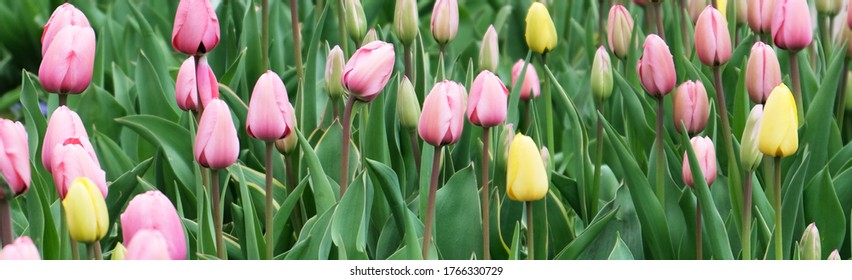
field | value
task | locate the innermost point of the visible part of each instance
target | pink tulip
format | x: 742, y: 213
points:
x: 216, y: 144
x: 445, y: 20
x: 196, y: 28
x: 791, y: 25
x: 442, y: 119
x: 531, y: 86
x: 208, y: 86
x: 641, y: 2
x: 64, y: 124
x: 691, y: 107
x: 270, y: 115
x: 760, y: 15
x: 619, y: 30
x: 656, y: 67
x: 153, y: 211
x: 368, y: 70
x: 763, y: 73
x: 64, y: 15
x: 696, y: 8
x: 14, y: 157
x: 705, y: 153
x: 849, y: 16
x: 487, y: 105
x: 68, y: 63
x: 712, y: 39
x: 72, y: 161
x: 186, y: 90
x: 22, y: 249
x: 148, y: 245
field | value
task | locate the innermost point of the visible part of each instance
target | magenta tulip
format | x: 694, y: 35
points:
x: 368, y: 70
x: 691, y: 107
x: 22, y: 249
x: 763, y: 73
x: 706, y: 155
x: 14, y: 157
x: 531, y: 86
x: 216, y: 144
x: 64, y: 124
x: 488, y: 100
x: 68, y: 63
x: 270, y: 115
x: 148, y: 245
x: 445, y: 20
x: 656, y: 67
x: 760, y: 15
x: 442, y: 119
x: 196, y: 28
x: 153, y: 211
x: 72, y: 161
x: 64, y: 15
x: 791, y: 25
x: 712, y: 39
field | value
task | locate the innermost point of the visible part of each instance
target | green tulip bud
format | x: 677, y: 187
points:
x: 489, y: 52
x: 333, y: 71
x: 602, y: 75
x: 356, y: 22
x: 834, y: 256
x: 809, y: 247
x: 829, y: 7
x: 371, y: 36
x: 119, y: 252
x: 750, y: 155
x: 506, y: 138
x: 407, y: 105
x: 406, y: 21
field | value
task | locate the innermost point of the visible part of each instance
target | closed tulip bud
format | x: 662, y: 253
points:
x: 64, y: 124
x: 216, y: 143
x: 86, y: 211
x: 849, y: 16
x: 779, y: 135
x: 288, y: 144
x: 445, y: 21
x: 750, y: 155
x: 64, y: 15
x: 119, y: 252
x: 407, y: 105
x: 269, y: 112
x: 810, y: 247
x: 487, y: 105
x: 368, y: 70
x: 14, y: 159
x: 67, y: 65
x: 545, y: 158
x: 601, y: 75
x: 619, y: 31
x: 196, y: 28
x: 705, y: 153
x: 506, y: 137
x: 531, y: 86
x: 208, y: 86
x: 712, y: 39
x: 656, y: 67
x: 742, y: 11
x: 72, y: 161
x: 333, y: 70
x: 526, y: 177
x: 760, y: 15
x: 691, y: 107
x: 370, y: 37
x: 489, y: 52
x: 442, y: 119
x: 791, y: 25
x: 695, y: 7
x: 153, y: 211
x: 829, y: 7
x: 763, y: 73
x: 22, y: 249
x: 148, y: 245
x: 541, y: 33
x: 186, y: 89
x: 356, y: 22
x: 406, y: 21
x: 834, y: 256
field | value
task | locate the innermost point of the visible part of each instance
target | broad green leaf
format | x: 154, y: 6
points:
x: 620, y: 251
x: 823, y: 208
x: 457, y: 214
x: 174, y: 140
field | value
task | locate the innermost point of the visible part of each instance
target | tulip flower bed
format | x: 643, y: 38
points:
x: 446, y: 129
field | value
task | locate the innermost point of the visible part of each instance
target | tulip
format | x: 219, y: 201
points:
x: 208, y: 86
x: 407, y: 105
x: 153, y: 211
x: 442, y: 119
x: 64, y: 15
x: 506, y: 137
x: 619, y: 31
x: 712, y: 39
x: 834, y: 256
x: 368, y: 70
x: 656, y: 67
x: 370, y: 37
x: 691, y: 107
x: 849, y: 16
x: 526, y: 179
x: 288, y: 144
x: 488, y: 100
x: 695, y: 7
x: 119, y: 253
x: 779, y: 136
x: 64, y: 124
x: 791, y: 25
x: 531, y: 86
x: 722, y: 6
x: 601, y: 75
x: 356, y: 22
x: 829, y: 7
x: 269, y: 112
x: 541, y: 33
x: 333, y: 70
x: 809, y: 246
x: 14, y: 158
x: 72, y: 161
x: 641, y: 2
x: 489, y: 52
x: 186, y: 90
x: 85, y: 208
x: 445, y: 21
x: 216, y: 144
x: 760, y: 15
x: 750, y: 155
x: 763, y: 73
x: 21, y: 249
x: 406, y: 21
x: 148, y: 245
x: 742, y: 11
x: 67, y: 65
x: 706, y: 155
x: 196, y: 28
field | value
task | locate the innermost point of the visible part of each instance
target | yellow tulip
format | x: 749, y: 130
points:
x: 86, y: 211
x: 119, y: 252
x: 541, y: 33
x: 526, y: 178
x: 722, y: 6
x: 779, y: 135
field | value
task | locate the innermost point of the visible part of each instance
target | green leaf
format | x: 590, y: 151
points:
x: 620, y: 251
x: 573, y: 250
x: 174, y: 140
x: 384, y: 177
x: 324, y: 196
x: 309, y: 109
x: 351, y: 220
x: 151, y: 93
x: 823, y: 208
x: 458, y: 219
x: 123, y: 188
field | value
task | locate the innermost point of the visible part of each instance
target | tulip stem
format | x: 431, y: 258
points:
x: 264, y: 33
x: 596, y: 185
x: 217, y: 216
x: 486, y: 237
x: 430, y: 204
x: 661, y: 155
x: 840, y: 101
x: 341, y: 27
x: 415, y: 148
x: 746, y: 236
x: 298, y: 220
x: 407, y: 55
x: 96, y: 249
x: 269, y: 200
x: 344, y: 164
x: 601, y: 16
x: 722, y: 110
x: 548, y: 105
x: 6, y: 234
x: 797, y: 85
x: 657, y: 13
x: 335, y: 108
x: 63, y: 99
x: 90, y: 251
x: 684, y: 33
x: 778, y: 236
x: 698, y: 245
x: 527, y: 120
x: 530, y: 245
x: 297, y: 36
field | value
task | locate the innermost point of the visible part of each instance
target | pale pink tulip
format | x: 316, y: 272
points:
x: 64, y: 124
x: 791, y: 25
x: 216, y: 143
x: 763, y: 73
x: 14, y: 157
x: 64, y: 15
x: 712, y: 39
x: 72, y: 161
x: 705, y: 153
x: 531, y: 86
x: 760, y: 15
x: 148, y: 245
x: 442, y: 119
x: 445, y: 20
x: 196, y: 28
x: 270, y: 115
x: 656, y: 67
x: 186, y: 89
x: 488, y: 100
x: 22, y: 249
x: 153, y: 211
x: 67, y: 65
x: 368, y: 70
x: 691, y: 107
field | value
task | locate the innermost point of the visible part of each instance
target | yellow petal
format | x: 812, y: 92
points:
x: 527, y: 177
x: 540, y: 32
x: 86, y: 212
x: 779, y: 135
